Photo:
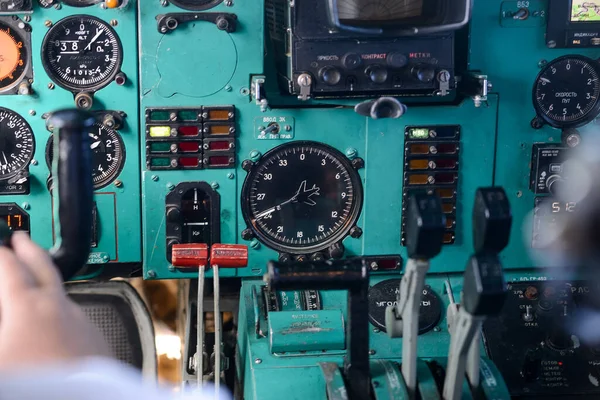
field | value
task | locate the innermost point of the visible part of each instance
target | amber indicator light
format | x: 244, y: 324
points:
x: 218, y: 115
x: 448, y: 208
x: 448, y: 238
x: 418, y: 179
x: 445, y: 193
x: 419, y: 149
x: 218, y: 130
x: 418, y: 164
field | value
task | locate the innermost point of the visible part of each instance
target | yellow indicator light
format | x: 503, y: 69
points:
x: 112, y: 3
x: 160, y: 131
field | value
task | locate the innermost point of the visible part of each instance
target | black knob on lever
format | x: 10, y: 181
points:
x: 492, y: 220
x: 74, y: 191
x: 425, y: 226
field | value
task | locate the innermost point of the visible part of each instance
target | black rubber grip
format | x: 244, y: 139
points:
x: 73, y: 190
x: 327, y: 275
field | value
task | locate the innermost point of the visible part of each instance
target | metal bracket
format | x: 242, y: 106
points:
x: 169, y: 22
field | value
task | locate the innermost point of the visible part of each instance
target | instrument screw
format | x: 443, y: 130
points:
x: 255, y: 244
x: 372, y: 352
x: 230, y: 175
x: 151, y: 274
x: 47, y: 23
x: 257, y: 361
x: 356, y: 232
x: 437, y: 329
x: 214, y: 185
x: 155, y: 178
x: 247, y: 234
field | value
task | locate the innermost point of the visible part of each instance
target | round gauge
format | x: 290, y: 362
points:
x: 385, y: 294
x: 82, y: 53
x: 196, y: 5
x: 108, y: 155
x: 13, y: 57
x: 301, y: 197
x: 566, y: 92
x: 17, y: 143
x: 11, y: 5
x: 81, y: 3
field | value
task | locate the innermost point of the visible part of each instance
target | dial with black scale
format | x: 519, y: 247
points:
x: 82, y: 53
x: 17, y: 144
x: 301, y: 197
x: 196, y: 5
x: 108, y: 155
x: 567, y: 90
x: 14, y: 56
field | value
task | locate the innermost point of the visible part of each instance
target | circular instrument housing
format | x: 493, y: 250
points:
x: 566, y: 92
x: 196, y: 5
x: 17, y: 143
x: 15, y: 53
x: 82, y: 53
x: 302, y: 197
x: 108, y: 155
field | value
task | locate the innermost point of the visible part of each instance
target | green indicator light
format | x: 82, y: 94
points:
x: 418, y: 133
x: 188, y: 115
x: 160, y: 162
x: 160, y: 147
x: 161, y: 115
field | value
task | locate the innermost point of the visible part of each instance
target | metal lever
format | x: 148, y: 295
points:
x: 348, y: 275
x: 484, y: 289
x: 425, y: 226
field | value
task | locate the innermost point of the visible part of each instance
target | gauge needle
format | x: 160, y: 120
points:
x: 95, y: 144
x: 545, y: 80
x: 98, y: 33
x: 5, y: 160
x: 302, y: 195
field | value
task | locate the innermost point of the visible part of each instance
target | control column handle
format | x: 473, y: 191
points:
x: 425, y: 227
x: 74, y: 191
x: 492, y: 220
x: 351, y: 275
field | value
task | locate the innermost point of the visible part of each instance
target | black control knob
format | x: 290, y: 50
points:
x: 553, y: 183
x: 560, y: 334
x: 173, y: 214
x: 377, y: 73
x: 424, y: 73
x: 396, y: 60
x: 330, y: 75
x: 352, y: 60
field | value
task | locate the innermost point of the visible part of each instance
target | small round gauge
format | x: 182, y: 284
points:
x: 13, y: 57
x: 301, y: 197
x: 17, y: 143
x: 108, y: 155
x: 566, y: 92
x: 81, y: 3
x: 196, y: 5
x: 82, y: 53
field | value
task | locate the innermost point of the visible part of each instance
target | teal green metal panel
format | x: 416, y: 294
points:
x: 119, y: 236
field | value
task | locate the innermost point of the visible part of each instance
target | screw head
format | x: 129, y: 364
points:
x: 351, y: 152
x: 358, y: 163
x: 230, y: 175
x: 284, y: 258
x: 430, y: 180
x: 376, y: 330
x: 356, y: 232
x: 372, y: 352
x: 47, y: 23
x: 170, y: 186
x: 118, y: 183
x: 228, y: 88
x: 247, y: 234
x: 155, y: 178
x: 214, y: 185
x: 288, y: 128
x: 26, y: 206
x: 255, y: 155
x: 257, y: 361
x: 171, y: 268
x: 51, y: 86
x: 151, y: 274
x: 34, y: 162
x: 437, y: 329
x: 255, y: 244
x: 114, y: 22
x: 433, y: 149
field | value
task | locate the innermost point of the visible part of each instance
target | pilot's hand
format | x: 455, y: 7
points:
x: 39, y: 324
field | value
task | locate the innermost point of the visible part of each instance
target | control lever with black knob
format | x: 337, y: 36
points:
x: 425, y: 228
x: 351, y: 275
x: 484, y: 290
x: 73, y: 191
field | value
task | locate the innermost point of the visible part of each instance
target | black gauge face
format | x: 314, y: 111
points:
x: 13, y: 57
x: 196, y: 5
x: 302, y: 197
x: 82, y: 53
x: 108, y: 155
x: 81, y: 3
x: 566, y: 91
x: 17, y: 143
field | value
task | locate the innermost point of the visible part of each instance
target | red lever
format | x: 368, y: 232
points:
x: 229, y: 255
x: 189, y: 255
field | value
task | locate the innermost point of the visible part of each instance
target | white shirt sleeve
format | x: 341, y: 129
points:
x: 90, y: 379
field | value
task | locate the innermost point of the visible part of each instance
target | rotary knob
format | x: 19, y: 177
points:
x: 397, y: 60
x: 330, y: 75
x: 553, y: 183
x: 377, y: 73
x: 424, y: 73
x: 352, y: 60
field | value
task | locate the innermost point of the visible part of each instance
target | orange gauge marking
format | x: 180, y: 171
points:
x: 10, y: 54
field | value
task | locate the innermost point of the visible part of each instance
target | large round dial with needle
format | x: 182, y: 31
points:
x: 108, y: 155
x: 17, y: 143
x: 82, y: 53
x: 301, y: 197
x: 566, y: 93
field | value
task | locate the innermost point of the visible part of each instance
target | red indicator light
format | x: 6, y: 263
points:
x: 445, y: 178
x: 188, y: 161
x: 220, y: 145
x: 446, y: 148
x: 189, y: 147
x: 219, y: 161
x: 560, y: 363
x: 188, y: 130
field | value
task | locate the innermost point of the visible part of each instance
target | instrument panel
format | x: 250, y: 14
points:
x: 301, y: 129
